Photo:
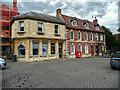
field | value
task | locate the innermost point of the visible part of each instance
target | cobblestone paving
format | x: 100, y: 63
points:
x: 72, y: 73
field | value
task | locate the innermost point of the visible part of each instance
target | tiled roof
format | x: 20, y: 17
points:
x: 80, y: 24
x: 38, y: 16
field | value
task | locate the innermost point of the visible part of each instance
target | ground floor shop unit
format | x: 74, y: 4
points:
x: 38, y: 49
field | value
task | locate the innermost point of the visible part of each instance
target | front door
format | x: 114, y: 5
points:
x: 92, y: 50
x: 97, y: 50
x: 60, y: 50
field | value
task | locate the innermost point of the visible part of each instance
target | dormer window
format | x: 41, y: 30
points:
x: 73, y: 22
x: 97, y: 27
x: 86, y: 24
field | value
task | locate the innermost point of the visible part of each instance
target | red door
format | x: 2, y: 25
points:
x: 92, y: 50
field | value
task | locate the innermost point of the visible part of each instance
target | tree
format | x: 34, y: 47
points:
x: 111, y: 42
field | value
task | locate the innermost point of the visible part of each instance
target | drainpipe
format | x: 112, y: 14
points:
x: 66, y: 40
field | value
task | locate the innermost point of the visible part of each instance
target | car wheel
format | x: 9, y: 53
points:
x: 113, y: 67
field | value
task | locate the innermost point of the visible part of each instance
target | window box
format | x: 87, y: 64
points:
x: 21, y: 32
x: 56, y: 34
x: 40, y: 33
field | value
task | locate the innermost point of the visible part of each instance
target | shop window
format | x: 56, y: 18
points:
x: 86, y: 49
x: 21, y: 50
x: 56, y: 29
x: 52, y: 48
x: 35, y: 48
x: 72, y: 49
x: 44, y: 48
x: 21, y: 27
x: 72, y: 35
x: 40, y: 27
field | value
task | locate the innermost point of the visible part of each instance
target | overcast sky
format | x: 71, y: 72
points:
x: 106, y: 12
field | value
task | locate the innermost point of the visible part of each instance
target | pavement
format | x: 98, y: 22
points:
x: 68, y: 73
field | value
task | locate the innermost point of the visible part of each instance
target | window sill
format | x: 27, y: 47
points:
x: 21, y: 32
x: 40, y: 33
x: 21, y: 56
x: 57, y: 34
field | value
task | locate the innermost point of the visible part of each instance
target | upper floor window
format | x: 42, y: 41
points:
x: 21, y: 50
x: 96, y: 37
x: 56, y: 29
x: 72, y: 35
x: 91, y: 37
x: 79, y: 36
x: 21, y: 26
x: 101, y: 37
x: 35, y: 48
x: 86, y: 36
x: 40, y: 27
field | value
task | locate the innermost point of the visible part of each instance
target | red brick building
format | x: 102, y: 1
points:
x: 83, y: 35
x: 6, y: 13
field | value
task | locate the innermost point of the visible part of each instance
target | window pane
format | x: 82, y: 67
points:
x: 44, y: 48
x: 52, y: 48
x: 72, y: 35
x: 79, y: 48
x: 56, y: 26
x: 79, y: 36
x: 21, y: 50
x: 40, y: 27
x: 35, y: 48
x: 72, y: 49
x: 21, y: 23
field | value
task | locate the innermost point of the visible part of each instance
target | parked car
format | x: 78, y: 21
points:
x: 115, y: 60
x: 2, y: 64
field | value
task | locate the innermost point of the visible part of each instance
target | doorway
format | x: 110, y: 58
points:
x: 60, y: 50
x: 92, y: 50
x: 97, y: 50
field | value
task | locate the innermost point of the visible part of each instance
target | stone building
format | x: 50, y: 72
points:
x: 37, y: 37
x: 83, y: 35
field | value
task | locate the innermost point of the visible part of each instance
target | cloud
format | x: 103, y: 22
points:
x: 106, y: 12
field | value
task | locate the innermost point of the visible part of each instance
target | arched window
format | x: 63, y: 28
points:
x: 21, y: 50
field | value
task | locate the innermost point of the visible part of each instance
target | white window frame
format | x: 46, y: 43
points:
x: 42, y: 27
x: 79, y: 35
x: 21, y: 26
x: 90, y: 37
x: 97, y: 36
x: 86, y: 49
x: 81, y: 47
x: 57, y: 29
x: 87, y: 25
x: 70, y: 35
x: 101, y: 37
x: 73, y: 49
x: 97, y: 27
x: 86, y: 36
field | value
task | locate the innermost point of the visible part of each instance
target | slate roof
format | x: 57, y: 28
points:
x: 38, y: 16
x: 80, y: 24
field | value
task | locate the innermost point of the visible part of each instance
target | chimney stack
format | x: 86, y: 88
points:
x: 95, y: 21
x: 15, y: 4
x: 58, y: 11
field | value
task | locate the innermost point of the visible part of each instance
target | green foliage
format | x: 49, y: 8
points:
x: 111, y: 41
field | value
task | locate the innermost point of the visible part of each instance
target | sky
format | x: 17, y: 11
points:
x: 105, y: 11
